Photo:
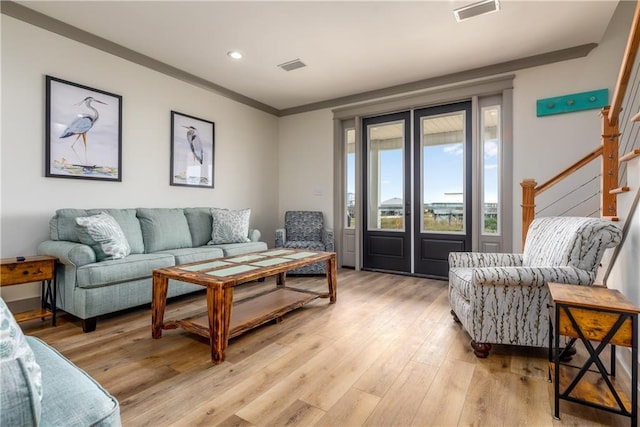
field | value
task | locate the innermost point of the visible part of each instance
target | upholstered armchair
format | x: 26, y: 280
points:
x: 305, y: 230
x: 502, y: 298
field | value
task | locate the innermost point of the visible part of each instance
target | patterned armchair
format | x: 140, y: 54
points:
x: 305, y: 230
x: 502, y: 298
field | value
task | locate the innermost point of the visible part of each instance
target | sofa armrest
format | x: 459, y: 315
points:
x: 254, y: 234
x: 281, y: 237
x: 70, y: 253
x: 478, y: 259
x: 531, y: 276
x: 328, y: 239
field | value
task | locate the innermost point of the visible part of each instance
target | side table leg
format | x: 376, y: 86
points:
x: 158, y: 304
x: 332, y: 280
x: 219, y: 305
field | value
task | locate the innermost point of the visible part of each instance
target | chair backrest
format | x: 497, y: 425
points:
x: 569, y: 241
x: 304, y: 225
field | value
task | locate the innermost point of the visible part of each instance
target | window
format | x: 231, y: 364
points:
x: 350, y: 173
x: 491, y: 147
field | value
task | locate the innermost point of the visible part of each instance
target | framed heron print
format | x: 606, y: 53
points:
x: 83, y: 132
x: 192, y: 151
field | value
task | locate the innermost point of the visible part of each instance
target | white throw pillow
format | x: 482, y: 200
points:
x: 103, y: 233
x: 230, y: 226
x: 13, y: 345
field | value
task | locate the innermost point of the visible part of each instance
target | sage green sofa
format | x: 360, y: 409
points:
x: 88, y: 287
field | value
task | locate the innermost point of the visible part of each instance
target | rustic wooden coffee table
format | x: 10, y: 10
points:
x: 224, y: 318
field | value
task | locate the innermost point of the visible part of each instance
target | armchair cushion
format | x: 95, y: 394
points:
x: 304, y: 225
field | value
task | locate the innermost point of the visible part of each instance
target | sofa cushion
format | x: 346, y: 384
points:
x: 164, y: 228
x: 109, y: 272
x: 231, y: 249
x: 229, y: 226
x: 104, y: 235
x: 70, y: 396
x: 63, y: 225
x: 21, y: 374
x: 186, y: 255
x: 200, y: 226
x: 130, y: 225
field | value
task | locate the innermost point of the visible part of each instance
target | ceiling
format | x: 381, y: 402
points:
x: 350, y: 47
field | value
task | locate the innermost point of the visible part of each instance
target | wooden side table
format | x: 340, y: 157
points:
x: 33, y: 269
x: 593, y: 314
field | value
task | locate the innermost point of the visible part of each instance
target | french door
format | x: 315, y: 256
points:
x: 416, y: 213
x: 387, y: 193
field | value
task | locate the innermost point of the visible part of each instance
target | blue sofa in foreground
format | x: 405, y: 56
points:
x: 106, y: 256
x: 40, y: 387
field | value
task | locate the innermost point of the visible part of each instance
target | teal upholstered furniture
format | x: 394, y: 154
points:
x: 40, y: 387
x: 90, y: 285
x: 305, y: 230
x: 502, y: 298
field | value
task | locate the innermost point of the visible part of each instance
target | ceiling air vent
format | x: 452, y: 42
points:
x: 476, y: 9
x: 292, y: 65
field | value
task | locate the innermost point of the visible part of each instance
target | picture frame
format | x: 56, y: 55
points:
x: 192, y: 151
x: 83, y: 132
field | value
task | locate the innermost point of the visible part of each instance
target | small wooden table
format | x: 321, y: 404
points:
x: 224, y: 319
x: 593, y: 314
x: 33, y: 269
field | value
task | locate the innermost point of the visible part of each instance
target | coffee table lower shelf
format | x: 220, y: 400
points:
x: 251, y: 312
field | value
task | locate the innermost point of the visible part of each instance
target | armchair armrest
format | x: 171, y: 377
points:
x: 70, y: 253
x: 281, y: 237
x: 478, y: 259
x: 531, y: 276
x: 328, y: 239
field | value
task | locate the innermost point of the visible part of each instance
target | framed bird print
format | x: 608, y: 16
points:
x: 83, y: 132
x: 192, y: 151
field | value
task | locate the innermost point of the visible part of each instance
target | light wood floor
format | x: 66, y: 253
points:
x: 386, y: 354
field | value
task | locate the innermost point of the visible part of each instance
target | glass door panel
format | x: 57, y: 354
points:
x: 443, y: 173
x: 386, y: 176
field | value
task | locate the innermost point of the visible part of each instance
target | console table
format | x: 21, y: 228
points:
x: 592, y: 314
x: 17, y: 271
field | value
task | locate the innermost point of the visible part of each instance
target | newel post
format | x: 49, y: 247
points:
x: 528, y: 205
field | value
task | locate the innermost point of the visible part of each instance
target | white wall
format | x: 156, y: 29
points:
x: 246, y: 140
x: 306, y: 164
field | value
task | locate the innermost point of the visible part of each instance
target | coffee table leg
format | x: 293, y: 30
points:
x: 158, y: 304
x: 281, y: 279
x: 219, y: 304
x: 332, y: 279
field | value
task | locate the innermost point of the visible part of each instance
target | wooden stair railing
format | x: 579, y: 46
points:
x: 608, y: 151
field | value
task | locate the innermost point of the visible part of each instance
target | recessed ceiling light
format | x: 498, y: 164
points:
x: 476, y: 9
x: 235, y: 54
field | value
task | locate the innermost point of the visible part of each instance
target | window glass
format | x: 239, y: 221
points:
x: 350, y: 196
x: 443, y: 173
x: 491, y: 144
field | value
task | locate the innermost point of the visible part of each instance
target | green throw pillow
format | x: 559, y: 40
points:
x: 229, y: 226
x: 104, y: 235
